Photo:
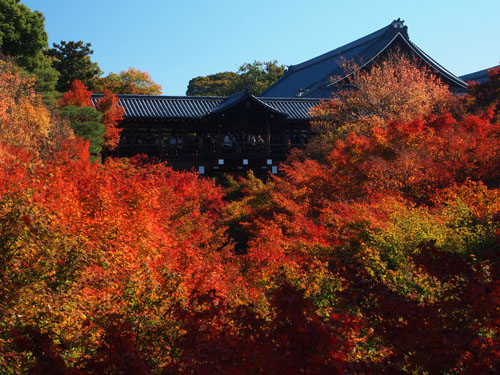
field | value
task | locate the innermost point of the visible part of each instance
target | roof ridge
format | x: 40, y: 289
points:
x: 342, y: 49
x: 293, y: 99
x: 183, y: 97
x: 237, y: 98
x: 370, y: 52
x: 394, y: 26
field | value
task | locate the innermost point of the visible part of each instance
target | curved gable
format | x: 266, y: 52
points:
x: 313, y: 78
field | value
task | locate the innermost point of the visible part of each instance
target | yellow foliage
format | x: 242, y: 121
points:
x: 24, y: 120
x: 395, y: 88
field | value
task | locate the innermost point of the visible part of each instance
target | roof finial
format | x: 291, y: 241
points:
x: 398, y: 24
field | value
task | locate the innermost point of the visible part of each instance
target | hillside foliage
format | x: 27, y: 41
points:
x: 381, y: 256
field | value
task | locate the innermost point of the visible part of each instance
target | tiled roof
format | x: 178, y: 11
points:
x: 294, y: 108
x: 480, y: 76
x: 239, y: 97
x: 148, y: 106
x: 313, y: 78
x: 151, y: 106
x: 231, y: 101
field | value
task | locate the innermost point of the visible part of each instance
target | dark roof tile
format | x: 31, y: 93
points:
x: 294, y: 108
x: 147, y: 106
x: 480, y: 76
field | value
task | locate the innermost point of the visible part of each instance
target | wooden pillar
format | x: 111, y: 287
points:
x: 284, y: 141
x: 220, y: 136
x: 268, y: 136
x: 159, y: 138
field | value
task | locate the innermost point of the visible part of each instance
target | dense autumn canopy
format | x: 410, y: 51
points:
x: 377, y: 254
x: 132, y: 81
x: 396, y: 88
x: 24, y: 120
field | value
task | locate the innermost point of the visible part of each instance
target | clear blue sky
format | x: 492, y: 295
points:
x: 176, y: 40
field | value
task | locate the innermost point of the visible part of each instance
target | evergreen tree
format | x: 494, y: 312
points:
x: 72, y: 61
x: 23, y: 38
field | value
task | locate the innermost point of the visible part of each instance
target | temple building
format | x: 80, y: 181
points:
x: 243, y: 131
x: 322, y: 75
x: 214, y: 134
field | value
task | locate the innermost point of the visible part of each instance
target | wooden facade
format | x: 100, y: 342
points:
x: 238, y: 133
